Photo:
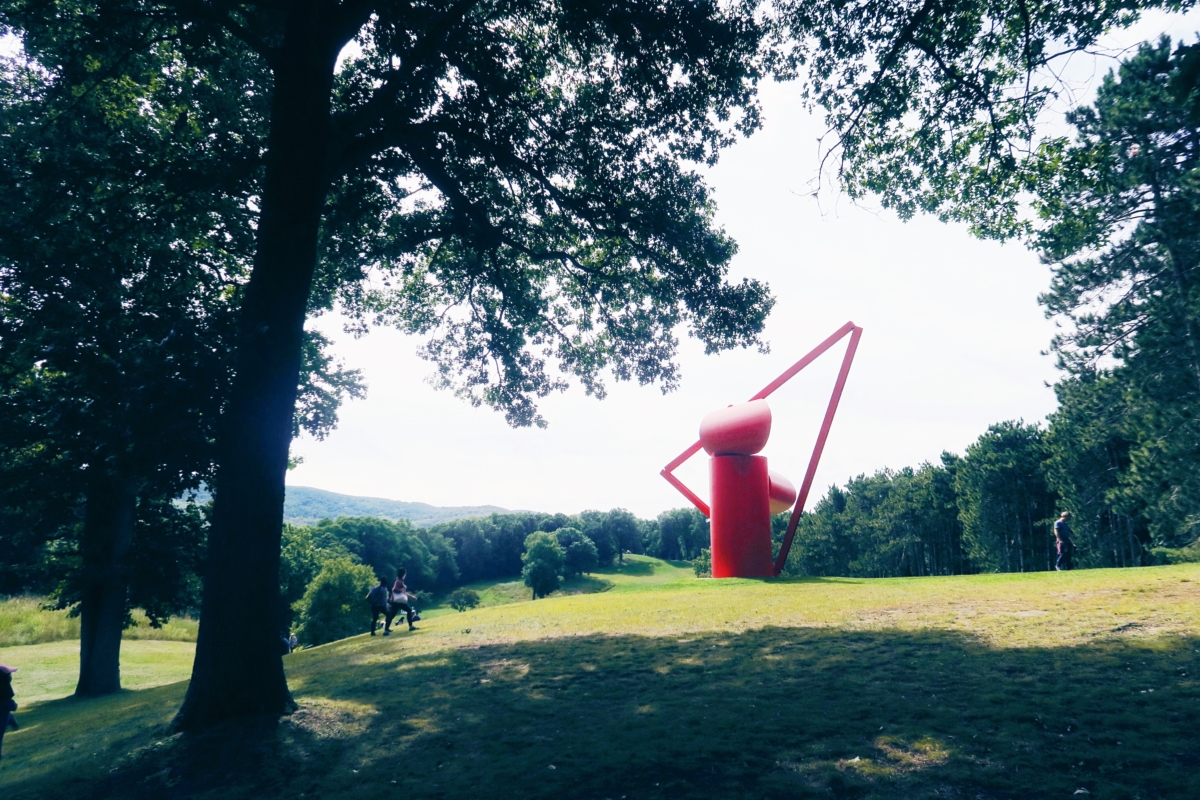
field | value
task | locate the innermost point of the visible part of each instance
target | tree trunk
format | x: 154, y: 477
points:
x: 107, y: 536
x: 238, y: 670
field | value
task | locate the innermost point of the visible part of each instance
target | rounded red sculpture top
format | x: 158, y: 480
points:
x: 782, y: 494
x: 740, y: 430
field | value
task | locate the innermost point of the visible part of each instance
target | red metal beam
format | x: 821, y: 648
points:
x: 787, y: 375
x: 826, y: 424
x: 688, y: 493
x: 812, y: 356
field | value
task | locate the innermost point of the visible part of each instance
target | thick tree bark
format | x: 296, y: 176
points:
x: 238, y: 670
x: 107, y: 536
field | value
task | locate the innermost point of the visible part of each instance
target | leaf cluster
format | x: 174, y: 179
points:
x: 935, y: 107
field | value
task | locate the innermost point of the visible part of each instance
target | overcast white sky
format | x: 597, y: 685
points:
x: 952, y: 343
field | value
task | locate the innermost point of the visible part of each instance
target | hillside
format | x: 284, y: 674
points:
x: 666, y: 686
x: 304, y: 505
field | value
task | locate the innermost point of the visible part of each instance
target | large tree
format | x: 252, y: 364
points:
x: 125, y: 236
x: 520, y: 175
x: 1119, y: 221
x: 120, y: 250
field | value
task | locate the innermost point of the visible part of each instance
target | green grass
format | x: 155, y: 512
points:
x: 49, y: 671
x: 24, y: 620
x: 665, y: 686
x: 637, y: 573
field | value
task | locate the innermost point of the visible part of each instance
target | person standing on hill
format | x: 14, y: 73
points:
x: 1066, y: 545
x: 377, y: 598
x: 400, y: 600
x: 7, y: 704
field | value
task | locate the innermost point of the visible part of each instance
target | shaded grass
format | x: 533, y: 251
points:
x: 49, y: 671
x: 24, y: 620
x: 981, y: 687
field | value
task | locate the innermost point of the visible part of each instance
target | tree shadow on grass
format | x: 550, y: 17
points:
x: 637, y: 569
x: 768, y: 713
x: 583, y: 584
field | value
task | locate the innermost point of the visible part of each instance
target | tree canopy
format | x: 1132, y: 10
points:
x: 941, y: 107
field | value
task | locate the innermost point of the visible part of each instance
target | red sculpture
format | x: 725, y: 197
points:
x: 744, y: 493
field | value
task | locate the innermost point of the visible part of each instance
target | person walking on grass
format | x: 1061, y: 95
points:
x: 7, y: 704
x: 377, y: 598
x: 400, y: 601
x: 1066, y: 545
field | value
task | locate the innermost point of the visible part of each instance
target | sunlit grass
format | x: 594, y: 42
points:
x: 636, y: 573
x: 26, y: 620
x: 665, y: 686
x: 49, y: 671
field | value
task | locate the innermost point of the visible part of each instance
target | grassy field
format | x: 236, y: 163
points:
x: 51, y: 670
x: 26, y: 620
x: 665, y: 686
x: 632, y: 573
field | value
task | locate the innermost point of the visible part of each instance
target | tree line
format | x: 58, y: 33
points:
x: 187, y: 183
x: 989, y: 510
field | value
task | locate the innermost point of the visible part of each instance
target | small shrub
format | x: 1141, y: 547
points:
x: 334, y: 606
x: 544, y: 560
x: 463, y: 599
x: 702, y: 564
x: 1177, y: 555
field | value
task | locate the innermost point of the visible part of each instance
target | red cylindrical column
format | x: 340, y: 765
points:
x: 741, y: 517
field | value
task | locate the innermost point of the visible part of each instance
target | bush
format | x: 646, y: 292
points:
x: 462, y: 599
x: 1176, y: 555
x: 543, y: 559
x: 702, y: 564
x: 334, y: 605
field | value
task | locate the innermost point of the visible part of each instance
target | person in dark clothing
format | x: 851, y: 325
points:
x: 401, y: 601
x: 377, y: 598
x: 7, y: 704
x: 1066, y: 545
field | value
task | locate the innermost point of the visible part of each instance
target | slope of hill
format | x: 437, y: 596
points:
x: 664, y: 686
x: 304, y: 505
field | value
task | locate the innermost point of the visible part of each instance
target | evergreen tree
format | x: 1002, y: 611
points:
x: 1004, y: 502
x: 1121, y: 226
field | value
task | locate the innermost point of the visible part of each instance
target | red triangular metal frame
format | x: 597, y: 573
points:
x: 855, y: 333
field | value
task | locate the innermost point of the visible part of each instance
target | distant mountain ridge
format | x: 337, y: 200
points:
x: 304, y: 505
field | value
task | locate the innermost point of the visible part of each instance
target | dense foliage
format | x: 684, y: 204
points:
x: 333, y: 606
x: 544, y: 562
x: 463, y: 599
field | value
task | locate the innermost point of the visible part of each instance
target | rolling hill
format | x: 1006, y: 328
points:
x: 304, y: 505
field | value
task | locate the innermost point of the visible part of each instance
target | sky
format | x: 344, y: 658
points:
x: 953, y: 341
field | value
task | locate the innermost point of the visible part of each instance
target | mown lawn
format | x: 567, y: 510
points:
x: 49, y: 671
x: 1012, y: 686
